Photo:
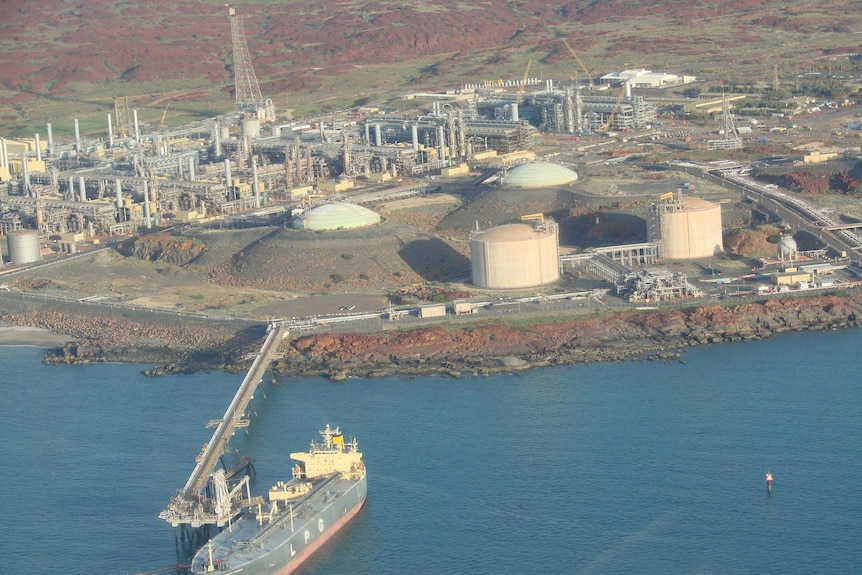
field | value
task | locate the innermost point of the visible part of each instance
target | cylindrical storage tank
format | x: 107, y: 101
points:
x: 23, y: 246
x: 514, y: 256
x: 691, y: 230
x: 250, y: 127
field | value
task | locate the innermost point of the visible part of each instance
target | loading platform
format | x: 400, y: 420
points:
x: 206, y: 498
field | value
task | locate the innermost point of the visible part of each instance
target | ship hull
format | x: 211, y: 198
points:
x: 280, y: 546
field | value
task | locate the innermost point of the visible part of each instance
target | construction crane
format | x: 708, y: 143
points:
x: 523, y: 82
x: 616, y: 107
x: 581, y: 62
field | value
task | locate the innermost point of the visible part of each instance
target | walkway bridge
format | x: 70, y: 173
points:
x: 206, y: 498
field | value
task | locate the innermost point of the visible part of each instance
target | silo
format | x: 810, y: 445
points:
x: 23, y: 246
x: 687, y: 228
x: 515, y: 256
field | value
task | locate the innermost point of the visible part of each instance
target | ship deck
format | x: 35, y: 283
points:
x: 246, y: 540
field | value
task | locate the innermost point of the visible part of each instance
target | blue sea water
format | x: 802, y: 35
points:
x: 606, y: 468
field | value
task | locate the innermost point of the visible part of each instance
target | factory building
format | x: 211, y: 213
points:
x: 342, y: 216
x: 640, y: 78
x: 538, y: 175
x: 686, y: 228
x: 515, y: 256
x: 571, y: 111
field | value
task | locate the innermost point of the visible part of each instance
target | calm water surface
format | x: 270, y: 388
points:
x: 611, y: 468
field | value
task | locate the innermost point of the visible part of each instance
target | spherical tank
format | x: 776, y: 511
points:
x: 514, y: 256
x: 787, y: 247
x: 23, y: 246
x: 691, y: 230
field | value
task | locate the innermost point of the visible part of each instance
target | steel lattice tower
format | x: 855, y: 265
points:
x: 248, y: 96
x: 121, y: 115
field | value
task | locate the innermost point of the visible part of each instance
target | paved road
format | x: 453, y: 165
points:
x: 786, y: 211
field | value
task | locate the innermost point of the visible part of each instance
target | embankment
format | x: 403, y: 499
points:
x: 493, y: 348
x: 474, y: 349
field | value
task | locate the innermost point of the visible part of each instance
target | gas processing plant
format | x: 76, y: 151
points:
x: 245, y: 165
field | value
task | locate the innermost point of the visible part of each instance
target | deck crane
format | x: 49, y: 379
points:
x: 580, y: 62
x: 523, y: 83
x: 616, y: 107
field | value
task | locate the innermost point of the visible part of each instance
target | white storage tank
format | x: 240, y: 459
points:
x: 250, y: 127
x: 687, y: 228
x: 341, y: 216
x: 787, y: 249
x: 538, y: 175
x: 23, y: 246
x: 515, y: 256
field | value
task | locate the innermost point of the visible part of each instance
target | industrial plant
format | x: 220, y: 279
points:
x: 134, y: 176
x: 245, y: 168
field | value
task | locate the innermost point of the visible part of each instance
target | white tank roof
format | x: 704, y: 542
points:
x: 539, y: 175
x: 336, y: 216
x: 509, y: 233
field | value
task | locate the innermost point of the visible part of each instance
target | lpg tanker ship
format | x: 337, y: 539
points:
x: 274, y: 537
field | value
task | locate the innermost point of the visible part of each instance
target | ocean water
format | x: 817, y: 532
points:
x: 606, y: 468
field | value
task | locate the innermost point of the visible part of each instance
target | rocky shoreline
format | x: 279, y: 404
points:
x: 477, y: 349
x: 481, y: 350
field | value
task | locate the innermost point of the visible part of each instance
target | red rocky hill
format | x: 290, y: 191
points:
x: 74, y: 50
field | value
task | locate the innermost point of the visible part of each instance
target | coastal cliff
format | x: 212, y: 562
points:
x: 456, y: 350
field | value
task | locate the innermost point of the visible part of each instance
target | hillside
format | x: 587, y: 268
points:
x: 77, y: 57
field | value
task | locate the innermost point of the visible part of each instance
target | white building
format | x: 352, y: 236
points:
x: 641, y: 78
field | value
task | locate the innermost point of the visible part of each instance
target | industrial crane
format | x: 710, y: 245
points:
x: 523, y: 82
x: 579, y: 61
